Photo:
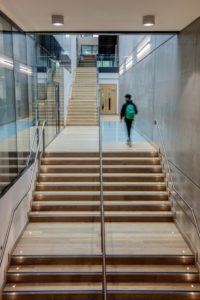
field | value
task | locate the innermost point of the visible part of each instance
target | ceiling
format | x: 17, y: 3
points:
x: 101, y: 15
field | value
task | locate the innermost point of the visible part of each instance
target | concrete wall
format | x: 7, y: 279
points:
x: 165, y: 84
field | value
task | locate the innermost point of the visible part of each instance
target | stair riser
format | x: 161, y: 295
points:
x: 97, y: 208
x: 98, y: 219
x: 97, y: 188
x: 97, y: 179
x: 121, y: 162
x: 96, y: 170
x: 91, y: 295
x: 105, y: 154
x: 42, y: 197
x: 97, y: 277
x: 97, y: 260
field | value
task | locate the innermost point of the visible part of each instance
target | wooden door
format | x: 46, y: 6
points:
x: 108, y: 98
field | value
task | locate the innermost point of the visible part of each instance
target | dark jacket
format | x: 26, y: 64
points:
x: 123, y: 110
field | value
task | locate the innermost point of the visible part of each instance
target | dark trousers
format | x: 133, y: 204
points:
x: 128, y: 126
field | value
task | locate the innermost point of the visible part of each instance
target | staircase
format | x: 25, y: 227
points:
x: 88, y: 61
x: 11, y: 164
x: 147, y: 258
x: 82, y: 108
x: 48, y: 109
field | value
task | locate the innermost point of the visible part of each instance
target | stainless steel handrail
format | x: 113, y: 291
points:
x: 172, y: 180
x: 33, y: 143
x: 38, y: 152
x: 103, y: 240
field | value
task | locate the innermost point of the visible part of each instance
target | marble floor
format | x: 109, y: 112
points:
x: 86, y: 138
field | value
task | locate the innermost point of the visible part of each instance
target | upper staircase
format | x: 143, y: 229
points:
x: 59, y: 256
x: 87, y: 61
x: 82, y: 108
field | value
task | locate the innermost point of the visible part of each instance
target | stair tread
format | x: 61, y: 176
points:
x: 104, y: 184
x: 104, y: 158
x: 111, y: 203
x: 155, y: 287
x: 110, y: 268
x: 104, y: 175
x: 112, y: 193
x: 104, y: 167
x: 93, y: 213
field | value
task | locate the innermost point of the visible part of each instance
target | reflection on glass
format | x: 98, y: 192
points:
x: 31, y: 91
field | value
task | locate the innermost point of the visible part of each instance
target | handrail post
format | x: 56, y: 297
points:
x: 43, y: 139
x: 103, y: 242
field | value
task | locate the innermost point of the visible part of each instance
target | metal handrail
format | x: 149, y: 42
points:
x: 172, y: 180
x: 33, y: 143
x: 38, y: 151
x: 103, y: 241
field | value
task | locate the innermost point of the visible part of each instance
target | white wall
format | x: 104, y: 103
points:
x: 7, y: 205
x: 110, y: 78
x: 70, y: 76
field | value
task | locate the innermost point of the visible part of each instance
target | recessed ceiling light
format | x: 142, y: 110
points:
x: 149, y: 20
x: 57, y: 20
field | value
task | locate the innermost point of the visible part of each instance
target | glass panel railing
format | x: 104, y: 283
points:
x: 107, y: 61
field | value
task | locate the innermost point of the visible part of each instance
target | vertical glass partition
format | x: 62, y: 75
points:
x: 32, y: 72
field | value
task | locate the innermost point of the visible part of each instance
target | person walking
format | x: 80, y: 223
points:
x: 128, y: 112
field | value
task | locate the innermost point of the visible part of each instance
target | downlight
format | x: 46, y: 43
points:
x: 149, y: 20
x: 57, y: 20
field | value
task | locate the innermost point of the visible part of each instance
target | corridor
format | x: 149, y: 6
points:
x: 99, y: 150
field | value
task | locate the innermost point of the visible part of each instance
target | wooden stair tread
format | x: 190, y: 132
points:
x: 93, y: 213
x: 104, y: 184
x: 110, y: 268
x: 112, y: 193
x: 104, y: 158
x: 111, y: 203
x: 104, y: 167
x: 104, y: 175
x: 179, y: 287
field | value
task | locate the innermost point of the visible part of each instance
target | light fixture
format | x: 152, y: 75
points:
x: 149, y: 20
x: 57, y: 20
x: 144, y: 48
x: 129, y: 62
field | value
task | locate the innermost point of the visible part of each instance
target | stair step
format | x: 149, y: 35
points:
x: 94, y: 195
x: 111, y: 268
x: 95, y: 186
x: 94, y: 177
x: 93, y: 273
x: 106, y: 169
x: 95, y: 206
x: 83, y: 291
x: 105, y: 154
x: 95, y: 216
x: 106, y: 161
x: 126, y: 260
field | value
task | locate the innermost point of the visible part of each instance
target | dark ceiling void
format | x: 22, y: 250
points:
x: 107, y: 44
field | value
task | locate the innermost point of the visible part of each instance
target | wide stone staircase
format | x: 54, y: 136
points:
x: 82, y: 108
x: 147, y: 258
x: 49, y: 110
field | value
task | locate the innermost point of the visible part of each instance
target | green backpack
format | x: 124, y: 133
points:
x: 130, y: 112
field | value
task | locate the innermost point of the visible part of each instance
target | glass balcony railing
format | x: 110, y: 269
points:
x: 108, y: 61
